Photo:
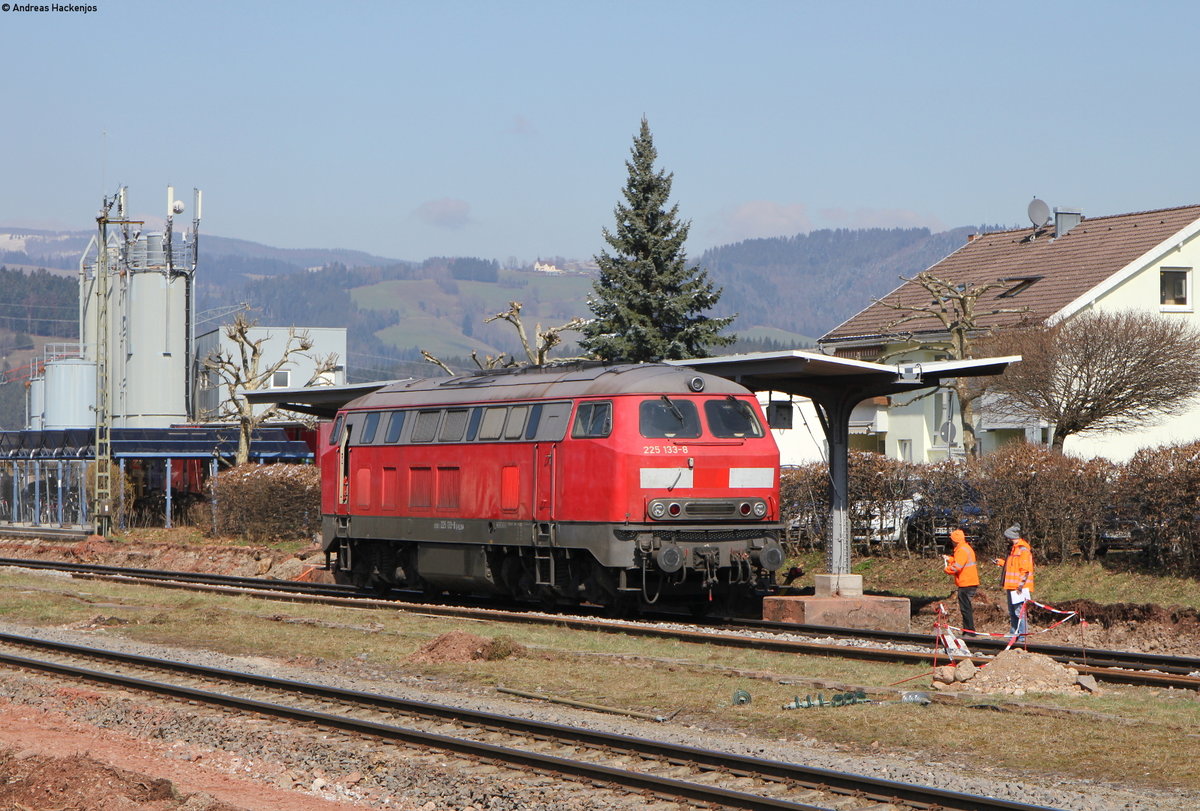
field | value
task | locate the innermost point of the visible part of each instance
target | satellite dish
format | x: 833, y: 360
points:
x: 177, y: 207
x: 1039, y: 213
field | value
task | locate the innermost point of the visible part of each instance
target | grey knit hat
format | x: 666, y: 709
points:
x: 1013, y: 532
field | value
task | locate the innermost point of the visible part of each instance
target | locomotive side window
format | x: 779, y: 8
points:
x: 668, y: 419
x: 731, y: 418
x: 592, y: 421
x: 369, y: 428
x: 515, y: 425
x: 552, y: 422
x: 336, y: 433
x: 426, y: 427
x: 535, y: 416
x: 454, y: 425
x: 395, y: 426
x: 493, y: 423
x: 473, y: 425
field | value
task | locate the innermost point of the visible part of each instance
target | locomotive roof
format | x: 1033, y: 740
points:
x: 546, y: 383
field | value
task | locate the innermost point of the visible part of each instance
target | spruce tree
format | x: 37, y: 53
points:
x: 648, y: 304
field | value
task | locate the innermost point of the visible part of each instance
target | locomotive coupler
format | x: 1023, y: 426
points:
x: 708, y: 558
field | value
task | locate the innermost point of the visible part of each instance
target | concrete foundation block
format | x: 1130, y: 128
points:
x: 838, y: 585
x: 866, y: 612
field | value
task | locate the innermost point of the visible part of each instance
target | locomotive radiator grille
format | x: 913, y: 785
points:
x: 709, y: 508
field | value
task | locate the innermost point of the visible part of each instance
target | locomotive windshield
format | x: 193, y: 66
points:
x: 665, y: 418
x: 730, y: 418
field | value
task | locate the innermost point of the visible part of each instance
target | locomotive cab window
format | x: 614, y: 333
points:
x: 395, y: 426
x: 336, y: 433
x: 369, y: 428
x: 592, y: 421
x: 730, y: 418
x: 665, y: 418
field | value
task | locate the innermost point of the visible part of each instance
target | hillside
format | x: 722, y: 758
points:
x: 786, y: 291
x: 810, y: 283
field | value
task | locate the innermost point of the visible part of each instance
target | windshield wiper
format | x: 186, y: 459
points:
x: 674, y: 409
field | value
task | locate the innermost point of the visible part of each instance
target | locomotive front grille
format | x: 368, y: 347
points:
x: 709, y: 508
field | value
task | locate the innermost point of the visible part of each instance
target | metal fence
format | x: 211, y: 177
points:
x: 44, y: 492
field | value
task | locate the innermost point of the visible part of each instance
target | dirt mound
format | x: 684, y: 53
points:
x: 460, y: 646
x: 1018, y: 671
x: 1116, y: 613
x: 81, y: 783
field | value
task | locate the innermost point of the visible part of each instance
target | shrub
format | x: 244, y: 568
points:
x: 263, y: 503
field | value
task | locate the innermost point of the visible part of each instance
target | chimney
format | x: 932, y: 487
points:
x: 1065, y: 219
x: 971, y: 238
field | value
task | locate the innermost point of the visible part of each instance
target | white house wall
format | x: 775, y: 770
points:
x: 1141, y: 291
x: 326, y: 341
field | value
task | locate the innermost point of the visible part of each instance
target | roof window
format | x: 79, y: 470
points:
x: 1020, y: 285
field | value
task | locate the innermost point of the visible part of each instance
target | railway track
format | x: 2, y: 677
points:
x: 1123, y: 667
x: 674, y: 772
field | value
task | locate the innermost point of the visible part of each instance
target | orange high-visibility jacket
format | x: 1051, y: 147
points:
x: 962, y: 566
x: 1018, y: 567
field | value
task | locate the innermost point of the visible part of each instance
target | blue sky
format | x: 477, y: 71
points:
x: 501, y: 129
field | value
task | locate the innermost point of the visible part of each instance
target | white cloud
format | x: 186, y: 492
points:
x: 522, y: 126
x: 761, y: 218
x: 445, y: 213
x: 877, y: 218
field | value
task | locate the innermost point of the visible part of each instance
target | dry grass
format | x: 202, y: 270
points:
x: 1102, y: 582
x: 1130, y: 733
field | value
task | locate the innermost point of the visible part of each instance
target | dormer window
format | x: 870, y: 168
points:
x: 1175, y: 285
x: 1019, y: 285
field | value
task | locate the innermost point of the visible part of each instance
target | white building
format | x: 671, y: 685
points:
x: 1143, y: 262
x: 297, y: 371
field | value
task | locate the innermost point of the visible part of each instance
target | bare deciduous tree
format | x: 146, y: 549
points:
x: 243, y: 368
x: 954, y: 311
x: 1100, y: 372
x: 537, y: 354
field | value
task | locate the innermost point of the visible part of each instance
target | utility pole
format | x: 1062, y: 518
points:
x: 102, y: 477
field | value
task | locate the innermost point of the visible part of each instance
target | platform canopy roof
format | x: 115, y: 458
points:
x: 319, y: 401
x: 812, y: 374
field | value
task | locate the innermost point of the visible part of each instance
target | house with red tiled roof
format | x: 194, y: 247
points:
x: 1142, y: 261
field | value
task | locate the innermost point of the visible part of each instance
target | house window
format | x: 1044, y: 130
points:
x: 281, y: 379
x: 1175, y: 285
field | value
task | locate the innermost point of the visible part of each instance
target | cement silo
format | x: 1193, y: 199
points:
x: 37, y: 403
x: 147, y: 307
x: 70, y: 394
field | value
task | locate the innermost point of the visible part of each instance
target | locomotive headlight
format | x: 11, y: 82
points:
x: 745, y: 508
x: 674, y: 509
x: 760, y: 509
x: 657, y: 509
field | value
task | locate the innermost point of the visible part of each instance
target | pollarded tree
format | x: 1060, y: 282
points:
x: 648, y: 304
x: 950, y: 321
x: 243, y: 367
x: 1100, y: 371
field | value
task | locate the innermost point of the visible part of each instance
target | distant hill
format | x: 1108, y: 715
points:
x: 810, y: 283
x: 787, y: 291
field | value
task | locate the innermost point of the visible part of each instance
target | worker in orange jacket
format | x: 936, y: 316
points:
x: 966, y: 577
x: 1018, y: 580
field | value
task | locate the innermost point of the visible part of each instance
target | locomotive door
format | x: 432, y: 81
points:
x: 344, y: 471
x: 544, y: 482
x: 543, y: 516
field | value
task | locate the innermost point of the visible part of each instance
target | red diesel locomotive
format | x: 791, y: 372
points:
x: 613, y: 485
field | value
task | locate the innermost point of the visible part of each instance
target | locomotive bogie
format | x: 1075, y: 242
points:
x: 588, y: 484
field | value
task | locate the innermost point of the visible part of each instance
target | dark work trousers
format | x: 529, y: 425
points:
x: 965, y: 595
